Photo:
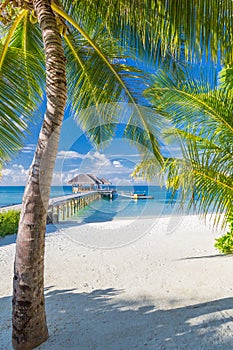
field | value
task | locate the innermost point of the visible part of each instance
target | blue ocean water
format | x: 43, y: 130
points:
x: 10, y: 195
x: 120, y: 207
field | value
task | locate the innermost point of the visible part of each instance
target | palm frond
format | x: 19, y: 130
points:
x: 21, y: 84
x: 27, y: 38
x: 226, y: 77
x: 207, y: 188
x: 7, y: 39
x: 181, y: 28
x: 93, y: 92
x: 203, y: 126
x: 191, y: 104
x: 148, y: 169
x: 98, y: 68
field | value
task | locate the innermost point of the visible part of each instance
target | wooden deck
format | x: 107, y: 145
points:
x: 107, y: 193
x: 61, y: 208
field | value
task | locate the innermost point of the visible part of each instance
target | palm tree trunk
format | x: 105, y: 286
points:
x: 28, y: 316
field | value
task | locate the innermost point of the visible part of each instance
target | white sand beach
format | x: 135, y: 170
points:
x: 130, y: 284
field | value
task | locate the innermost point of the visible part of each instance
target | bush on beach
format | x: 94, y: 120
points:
x: 9, y: 221
x: 225, y: 243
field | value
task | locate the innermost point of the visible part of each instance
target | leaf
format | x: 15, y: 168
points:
x: 21, y: 84
x: 203, y: 127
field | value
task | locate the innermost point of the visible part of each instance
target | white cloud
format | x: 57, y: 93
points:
x: 94, y: 162
x: 15, y: 175
x: 126, y: 156
x: 73, y: 171
x: 6, y: 172
x: 59, y: 179
x: 98, y: 158
x: 70, y: 155
x: 29, y: 148
x: 117, y: 164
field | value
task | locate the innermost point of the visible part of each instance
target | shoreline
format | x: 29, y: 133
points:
x: 160, y: 291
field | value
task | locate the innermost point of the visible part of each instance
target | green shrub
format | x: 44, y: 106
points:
x: 9, y: 222
x: 225, y: 243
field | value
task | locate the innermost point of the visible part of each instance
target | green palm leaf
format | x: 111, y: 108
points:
x: 22, y: 80
x: 16, y: 107
x: 204, y: 129
x: 181, y: 28
x: 100, y: 81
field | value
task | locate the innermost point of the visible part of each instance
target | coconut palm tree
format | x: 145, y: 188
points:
x: 203, y: 126
x: 72, y: 42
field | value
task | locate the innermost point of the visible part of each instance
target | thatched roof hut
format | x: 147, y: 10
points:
x: 84, y: 179
x: 105, y: 181
x: 96, y: 179
x: 85, y: 182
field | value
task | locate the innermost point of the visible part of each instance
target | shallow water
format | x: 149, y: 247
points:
x: 122, y: 207
x: 104, y: 209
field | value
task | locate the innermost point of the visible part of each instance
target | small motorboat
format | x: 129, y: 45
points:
x: 140, y: 196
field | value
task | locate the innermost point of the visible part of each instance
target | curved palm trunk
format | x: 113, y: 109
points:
x: 29, y: 320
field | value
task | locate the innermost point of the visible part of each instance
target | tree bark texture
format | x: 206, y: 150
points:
x: 28, y: 314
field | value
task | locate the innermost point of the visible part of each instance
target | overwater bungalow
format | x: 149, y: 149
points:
x: 84, y: 182
x: 87, y: 182
x: 105, y: 182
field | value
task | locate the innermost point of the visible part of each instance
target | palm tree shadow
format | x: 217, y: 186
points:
x: 98, y: 216
x: 226, y: 256
x: 104, y: 319
x: 7, y: 240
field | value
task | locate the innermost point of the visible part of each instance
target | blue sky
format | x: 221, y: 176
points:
x: 114, y: 161
x: 76, y: 154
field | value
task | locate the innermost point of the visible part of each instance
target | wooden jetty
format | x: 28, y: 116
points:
x: 62, y: 208
x: 107, y: 193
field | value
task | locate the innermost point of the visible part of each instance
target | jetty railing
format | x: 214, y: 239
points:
x: 62, y: 208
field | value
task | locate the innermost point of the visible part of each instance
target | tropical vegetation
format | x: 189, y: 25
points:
x: 225, y: 243
x: 73, y: 51
x: 201, y: 123
x: 9, y: 222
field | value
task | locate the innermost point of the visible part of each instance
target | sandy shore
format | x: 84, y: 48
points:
x: 130, y: 284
